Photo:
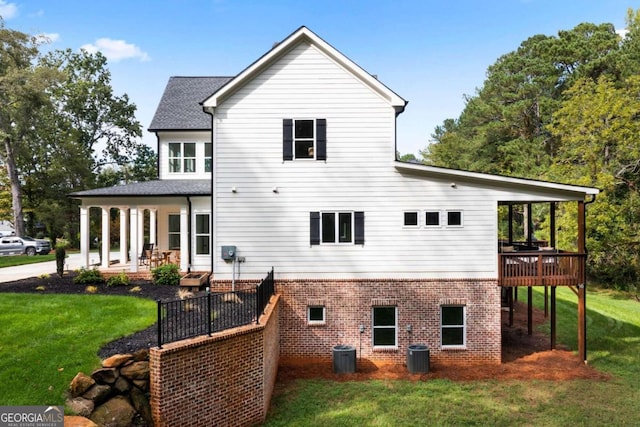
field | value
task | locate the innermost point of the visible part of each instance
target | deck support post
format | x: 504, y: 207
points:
x: 529, y: 310
x: 552, y: 325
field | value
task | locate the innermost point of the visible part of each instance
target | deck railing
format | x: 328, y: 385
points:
x: 541, y: 268
x: 180, y: 319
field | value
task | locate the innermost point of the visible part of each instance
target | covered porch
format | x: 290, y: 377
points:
x: 150, y: 223
x: 529, y: 262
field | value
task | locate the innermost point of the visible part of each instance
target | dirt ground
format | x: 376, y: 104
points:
x: 524, y: 357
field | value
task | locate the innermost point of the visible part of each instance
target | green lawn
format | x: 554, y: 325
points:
x: 12, y: 260
x: 613, y: 338
x: 47, y: 339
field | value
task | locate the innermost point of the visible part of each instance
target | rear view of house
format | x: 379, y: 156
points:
x: 291, y: 164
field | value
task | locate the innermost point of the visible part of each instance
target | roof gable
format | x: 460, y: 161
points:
x: 304, y: 35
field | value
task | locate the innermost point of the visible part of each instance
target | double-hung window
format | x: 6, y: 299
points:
x: 203, y: 235
x: 337, y: 228
x: 208, y: 157
x: 385, y: 327
x: 453, y: 326
x: 182, y: 157
x: 304, y: 139
x: 174, y: 231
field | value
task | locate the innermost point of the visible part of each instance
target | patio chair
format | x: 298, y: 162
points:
x: 145, y: 255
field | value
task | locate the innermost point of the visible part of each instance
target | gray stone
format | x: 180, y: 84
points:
x: 122, y: 385
x: 98, y: 393
x: 105, y: 375
x: 136, y: 371
x: 116, y: 412
x: 141, y: 404
x: 80, y: 406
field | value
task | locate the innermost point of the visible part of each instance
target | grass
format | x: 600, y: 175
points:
x: 47, y: 339
x: 13, y: 260
x: 613, y: 344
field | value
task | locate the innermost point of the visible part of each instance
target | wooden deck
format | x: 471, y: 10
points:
x: 541, y: 268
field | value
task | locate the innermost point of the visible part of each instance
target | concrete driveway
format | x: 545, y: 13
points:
x: 8, y: 274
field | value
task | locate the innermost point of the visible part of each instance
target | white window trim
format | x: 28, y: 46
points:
x: 462, y: 346
x: 314, y: 139
x: 395, y: 328
x: 169, y: 232
x: 196, y: 234
x: 205, y: 157
x: 424, y: 217
x: 182, y: 157
x: 317, y: 322
x: 404, y: 224
x: 337, y: 226
x: 446, y: 218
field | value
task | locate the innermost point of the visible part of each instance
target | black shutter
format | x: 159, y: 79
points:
x: 358, y: 218
x: 314, y: 226
x: 321, y: 139
x: 287, y: 139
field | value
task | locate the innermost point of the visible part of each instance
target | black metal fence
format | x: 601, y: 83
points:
x: 180, y: 319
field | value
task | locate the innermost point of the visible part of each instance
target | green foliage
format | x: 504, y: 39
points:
x: 61, y: 254
x: 120, y: 279
x: 10, y: 261
x: 168, y: 274
x: 89, y: 277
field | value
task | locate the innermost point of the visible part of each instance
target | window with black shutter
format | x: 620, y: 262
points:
x: 336, y: 228
x: 304, y: 139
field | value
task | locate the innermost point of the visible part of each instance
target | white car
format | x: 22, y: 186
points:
x: 14, y: 245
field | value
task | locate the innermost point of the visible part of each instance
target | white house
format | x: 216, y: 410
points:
x: 292, y: 164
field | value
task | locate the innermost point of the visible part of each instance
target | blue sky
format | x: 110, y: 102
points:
x: 431, y: 53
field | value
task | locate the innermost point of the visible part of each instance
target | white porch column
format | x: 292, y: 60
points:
x: 136, y: 246
x: 85, y: 236
x: 185, y: 244
x: 106, y: 225
x: 153, y: 233
x: 140, y: 228
x: 124, y: 227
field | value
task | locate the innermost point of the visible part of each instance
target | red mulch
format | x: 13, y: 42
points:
x: 524, y: 357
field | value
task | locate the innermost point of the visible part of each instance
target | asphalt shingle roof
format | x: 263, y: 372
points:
x: 180, y: 108
x: 165, y: 187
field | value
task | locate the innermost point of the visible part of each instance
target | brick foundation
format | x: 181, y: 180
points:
x: 349, y: 304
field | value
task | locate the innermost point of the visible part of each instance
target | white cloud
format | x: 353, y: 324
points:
x: 622, y: 33
x: 116, y: 50
x: 8, y: 10
x: 48, y: 37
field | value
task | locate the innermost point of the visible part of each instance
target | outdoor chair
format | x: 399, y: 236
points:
x: 146, y: 254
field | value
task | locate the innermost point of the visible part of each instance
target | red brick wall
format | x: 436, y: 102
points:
x: 349, y: 304
x: 223, y: 380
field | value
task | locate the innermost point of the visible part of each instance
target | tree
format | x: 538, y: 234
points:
x: 23, y: 92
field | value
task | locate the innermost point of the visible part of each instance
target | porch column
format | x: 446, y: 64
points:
x: 153, y: 233
x: 124, y: 227
x: 136, y: 247
x: 185, y: 239
x: 85, y: 237
x: 106, y: 225
x: 582, y: 288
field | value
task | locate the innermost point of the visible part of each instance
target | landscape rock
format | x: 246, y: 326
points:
x: 116, y: 360
x: 141, y: 355
x: 136, y: 371
x: 77, y: 421
x: 116, y: 412
x: 80, y: 384
x: 105, y: 375
x: 98, y: 393
x: 80, y: 406
x: 141, y: 404
x: 121, y: 385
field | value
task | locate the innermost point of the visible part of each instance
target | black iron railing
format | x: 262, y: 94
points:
x: 212, y: 312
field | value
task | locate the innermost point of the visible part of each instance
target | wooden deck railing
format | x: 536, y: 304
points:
x: 541, y: 268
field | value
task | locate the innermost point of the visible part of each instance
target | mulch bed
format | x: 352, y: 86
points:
x: 524, y: 357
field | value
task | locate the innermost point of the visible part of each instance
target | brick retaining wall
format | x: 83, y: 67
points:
x: 223, y: 380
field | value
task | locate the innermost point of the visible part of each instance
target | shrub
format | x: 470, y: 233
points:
x: 91, y: 289
x: 168, y: 274
x: 61, y: 254
x: 118, y: 280
x: 88, y: 277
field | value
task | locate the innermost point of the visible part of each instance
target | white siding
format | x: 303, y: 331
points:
x: 200, y: 138
x: 272, y: 229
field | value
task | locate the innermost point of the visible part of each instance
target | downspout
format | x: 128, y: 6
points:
x: 210, y: 111
x: 189, y: 233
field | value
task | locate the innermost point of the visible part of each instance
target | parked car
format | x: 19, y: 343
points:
x: 14, y: 245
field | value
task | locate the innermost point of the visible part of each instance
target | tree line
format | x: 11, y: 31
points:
x: 564, y: 108
x: 62, y: 129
